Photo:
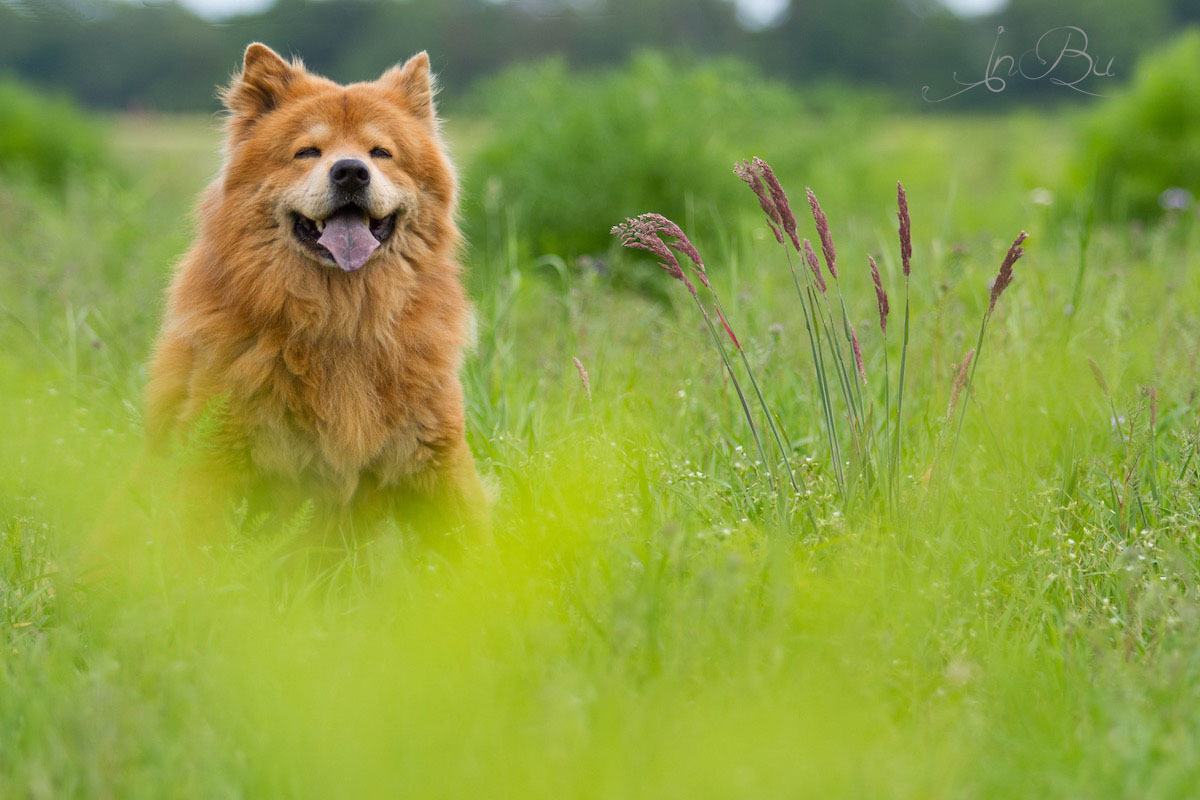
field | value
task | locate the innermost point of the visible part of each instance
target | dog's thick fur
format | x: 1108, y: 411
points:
x: 341, y: 382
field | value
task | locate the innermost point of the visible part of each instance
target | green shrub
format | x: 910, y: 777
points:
x: 1146, y: 140
x: 45, y: 137
x: 567, y: 156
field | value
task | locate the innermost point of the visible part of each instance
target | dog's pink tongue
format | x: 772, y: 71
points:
x: 348, y: 237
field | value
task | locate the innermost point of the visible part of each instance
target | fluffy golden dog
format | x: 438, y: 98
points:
x: 321, y: 302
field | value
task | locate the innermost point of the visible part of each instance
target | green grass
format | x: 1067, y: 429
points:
x: 641, y: 628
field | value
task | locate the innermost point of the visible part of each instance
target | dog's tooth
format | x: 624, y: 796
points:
x: 320, y: 225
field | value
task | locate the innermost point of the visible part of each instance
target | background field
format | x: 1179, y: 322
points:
x: 1024, y: 622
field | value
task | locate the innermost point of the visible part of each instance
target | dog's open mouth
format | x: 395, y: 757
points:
x: 347, y: 237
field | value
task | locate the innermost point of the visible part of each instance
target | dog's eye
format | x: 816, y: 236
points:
x: 308, y: 152
x: 379, y: 152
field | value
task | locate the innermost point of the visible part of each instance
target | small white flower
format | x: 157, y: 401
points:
x: 1041, y: 196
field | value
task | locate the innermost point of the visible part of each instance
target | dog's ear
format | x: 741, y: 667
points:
x: 264, y: 82
x: 413, y: 85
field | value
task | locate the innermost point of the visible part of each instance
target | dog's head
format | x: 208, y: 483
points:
x: 336, y: 173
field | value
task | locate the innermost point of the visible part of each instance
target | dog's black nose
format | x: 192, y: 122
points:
x: 349, y: 174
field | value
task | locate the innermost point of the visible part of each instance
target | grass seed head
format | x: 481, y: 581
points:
x: 745, y: 170
x: 813, y: 264
x: 641, y: 233
x: 905, y: 228
x: 880, y: 296
x: 583, y: 378
x: 681, y: 243
x: 1098, y: 376
x: 960, y: 381
x: 858, y: 359
x: 779, y: 198
x: 826, y: 237
x: 1004, y: 276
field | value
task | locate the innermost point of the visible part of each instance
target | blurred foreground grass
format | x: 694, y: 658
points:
x: 639, y: 629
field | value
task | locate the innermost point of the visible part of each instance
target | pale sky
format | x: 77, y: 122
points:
x: 753, y: 12
x: 763, y: 12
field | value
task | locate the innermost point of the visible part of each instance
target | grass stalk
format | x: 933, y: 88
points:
x: 836, y: 444
x: 900, y: 401
x: 967, y: 392
x: 1084, y: 229
x: 822, y: 379
x: 762, y: 453
x: 887, y: 416
x: 783, y: 450
x: 849, y: 338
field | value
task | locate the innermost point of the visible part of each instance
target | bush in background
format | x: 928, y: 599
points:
x: 1146, y: 141
x: 44, y: 137
x: 568, y: 154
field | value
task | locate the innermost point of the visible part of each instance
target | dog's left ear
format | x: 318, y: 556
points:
x: 413, y: 84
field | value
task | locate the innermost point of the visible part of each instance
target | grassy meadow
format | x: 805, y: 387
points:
x: 1021, y: 620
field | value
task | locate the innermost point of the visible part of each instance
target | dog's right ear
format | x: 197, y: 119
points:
x: 264, y: 82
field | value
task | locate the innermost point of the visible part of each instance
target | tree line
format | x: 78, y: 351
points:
x: 126, y: 55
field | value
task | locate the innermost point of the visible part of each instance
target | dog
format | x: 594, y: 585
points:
x: 321, y: 304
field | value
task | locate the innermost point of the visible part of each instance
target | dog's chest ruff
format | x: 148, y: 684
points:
x: 334, y: 411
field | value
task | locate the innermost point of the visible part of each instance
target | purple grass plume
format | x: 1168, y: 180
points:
x: 858, y: 358
x: 779, y: 198
x: 905, y: 229
x: 642, y: 233
x: 826, y: 237
x: 880, y: 296
x: 813, y: 264
x: 749, y: 175
x: 681, y: 243
x: 1004, y: 276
